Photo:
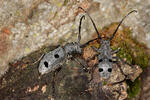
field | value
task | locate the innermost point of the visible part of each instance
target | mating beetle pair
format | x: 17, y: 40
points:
x: 52, y: 60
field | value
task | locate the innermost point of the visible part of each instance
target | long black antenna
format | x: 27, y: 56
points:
x: 92, y: 23
x: 120, y: 24
x: 84, y: 45
x: 79, y: 36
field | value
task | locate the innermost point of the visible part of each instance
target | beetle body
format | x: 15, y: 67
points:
x: 55, y: 58
x: 104, y: 52
x: 73, y: 48
x: 105, y: 59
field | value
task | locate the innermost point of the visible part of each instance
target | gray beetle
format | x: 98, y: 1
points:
x: 105, y: 59
x: 52, y: 60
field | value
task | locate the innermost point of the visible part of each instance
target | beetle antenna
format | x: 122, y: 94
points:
x: 120, y: 24
x: 79, y: 36
x: 84, y: 45
x: 92, y: 23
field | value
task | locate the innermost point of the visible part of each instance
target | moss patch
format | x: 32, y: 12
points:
x: 134, y: 88
x: 104, y: 83
x: 65, y: 2
x: 131, y: 50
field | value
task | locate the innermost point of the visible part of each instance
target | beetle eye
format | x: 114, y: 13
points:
x: 109, y: 69
x: 100, y: 60
x: 56, y: 56
x: 110, y: 60
x: 46, y: 64
x: 100, y: 69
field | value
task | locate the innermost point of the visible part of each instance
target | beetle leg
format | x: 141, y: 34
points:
x: 115, y: 51
x: 92, y: 57
x: 119, y: 66
x: 95, y: 49
x: 122, y: 73
x: 83, y: 66
x: 92, y: 71
x: 53, y: 81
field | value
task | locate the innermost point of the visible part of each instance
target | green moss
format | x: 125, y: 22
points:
x: 65, y: 2
x: 96, y: 45
x: 141, y: 59
x: 105, y: 82
x: 109, y: 26
x: 134, y: 53
x: 128, y: 32
x: 46, y: 49
x: 134, y: 88
x: 61, y: 41
x: 55, y: 15
x: 123, y: 54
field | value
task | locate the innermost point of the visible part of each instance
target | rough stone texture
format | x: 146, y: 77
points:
x: 117, y: 92
x: 115, y: 88
x: 30, y: 24
x: 23, y: 81
x: 132, y: 71
x: 145, y: 94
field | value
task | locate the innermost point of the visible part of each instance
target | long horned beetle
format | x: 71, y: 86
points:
x: 105, y: 59
x: 52, y: 60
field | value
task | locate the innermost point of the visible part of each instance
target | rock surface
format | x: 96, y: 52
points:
x: 27, y: 25
x: 23, y: 81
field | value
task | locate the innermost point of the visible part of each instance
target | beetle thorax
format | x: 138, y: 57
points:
x: 105, y: 50
x: 105, y: 59
x: 72, y: 48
